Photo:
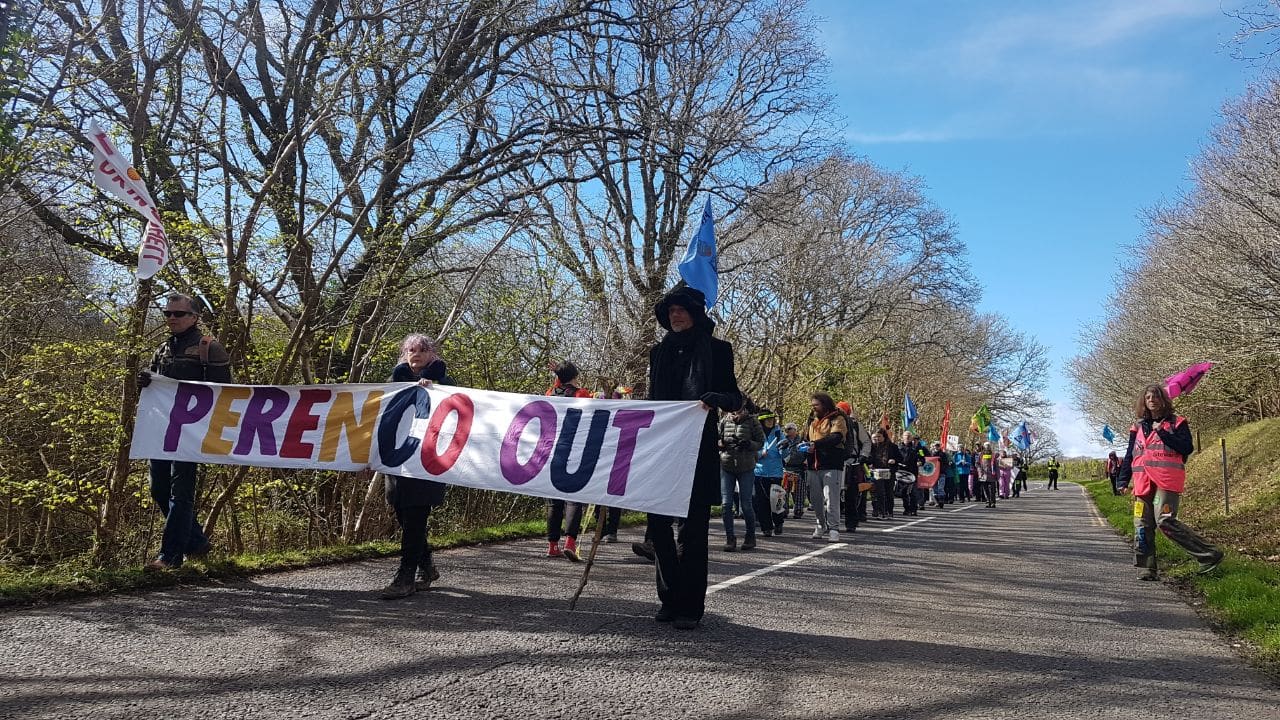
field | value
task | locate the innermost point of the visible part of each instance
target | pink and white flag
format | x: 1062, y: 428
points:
x: 1187, y: 380
x: 115, y: 175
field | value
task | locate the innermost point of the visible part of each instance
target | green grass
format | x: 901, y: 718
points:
x: 1242, y: 597
x: 73, y: 578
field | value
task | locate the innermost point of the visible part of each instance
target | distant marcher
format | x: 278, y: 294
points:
x: 987, y: 474
x: 793, y: 471
x: 741, y: 438
x: 855, y: 469
x: 908, y: 463
x: 826, y: 435
x: 689, y: 364
x: 413, y: 498
x: 1053, y: 473
x: 884, y: 465
x: 564, y: 517
x: 1113, y: 473
x: 962, y: 464
x: 1159, y: 444
x: 768, y: 473
x: 186, y: 354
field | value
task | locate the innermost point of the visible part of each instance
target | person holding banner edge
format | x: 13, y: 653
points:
x: 413, y: 498
x: 187, y: 354
x: 689, y: 364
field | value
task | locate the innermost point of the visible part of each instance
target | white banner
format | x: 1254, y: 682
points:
x: 115, y: 175
x: 631, y: 454
x: 953, y: 443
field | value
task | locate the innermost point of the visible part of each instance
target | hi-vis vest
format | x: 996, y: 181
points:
x: 1154, y: 463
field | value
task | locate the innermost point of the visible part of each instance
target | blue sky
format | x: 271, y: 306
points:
x: 1044, y: 129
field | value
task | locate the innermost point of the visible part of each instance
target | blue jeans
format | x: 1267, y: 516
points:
x: 173, y: 488
x: 745, y: 484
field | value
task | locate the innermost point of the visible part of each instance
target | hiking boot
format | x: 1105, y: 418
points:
x: 664, y: 615
x: 1211, y: 565
x: 1151, y: 573
x: 749, y: 543
x: 159, y: 565
x: 402, y: 586
x: 730, y: 544
x: 426, y: 577
x: 644, y: 550
x: 553, y: 550
x: 571, y: 549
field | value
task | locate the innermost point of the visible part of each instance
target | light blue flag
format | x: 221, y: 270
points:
x: 699, y: 266
x: 1022, y: 437
x: 992, y: 434
x: 1108, y: 434
x: 909, y: 413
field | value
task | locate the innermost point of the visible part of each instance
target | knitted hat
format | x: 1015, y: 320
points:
x: 688, y: 298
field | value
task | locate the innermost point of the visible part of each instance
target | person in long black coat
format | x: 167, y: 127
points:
x: 689, y: 364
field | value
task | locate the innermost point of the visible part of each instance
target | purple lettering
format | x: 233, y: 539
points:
x: 185, y: 411
x: 512, y: 470
x: 629, y: 424
x: 266, y: 405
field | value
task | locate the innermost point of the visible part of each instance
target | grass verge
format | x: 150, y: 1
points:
x: 1241, y: 598
x: 75, y: 579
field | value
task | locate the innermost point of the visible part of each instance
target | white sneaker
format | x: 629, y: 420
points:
x: 817, y: 533
x: 833, y: 536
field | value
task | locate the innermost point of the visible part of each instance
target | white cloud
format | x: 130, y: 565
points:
x: 1076, y: 435
x: 902, y: 136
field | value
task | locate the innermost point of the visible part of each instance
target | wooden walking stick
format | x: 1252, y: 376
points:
x: 591, y: 556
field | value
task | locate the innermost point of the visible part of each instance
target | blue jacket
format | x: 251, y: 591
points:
x: 769, y: 463
x: 961, y: 463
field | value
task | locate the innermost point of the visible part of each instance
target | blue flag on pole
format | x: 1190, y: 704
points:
x: 992, y: 434
x: 1022, y: 437
x: 909, y: 413
x: 1108, y: 434
x: 699, y: 266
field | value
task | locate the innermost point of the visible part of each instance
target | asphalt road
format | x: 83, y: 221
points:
x: 1030, y: 610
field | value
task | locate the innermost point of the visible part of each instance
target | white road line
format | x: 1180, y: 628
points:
x: 1093, y: 509
x: 921, y: 520
x: 770, y: 568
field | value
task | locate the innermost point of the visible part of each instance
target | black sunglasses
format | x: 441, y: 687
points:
x: 176, y: 313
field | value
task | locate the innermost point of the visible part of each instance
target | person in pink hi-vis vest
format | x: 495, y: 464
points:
x: 1159, y: 444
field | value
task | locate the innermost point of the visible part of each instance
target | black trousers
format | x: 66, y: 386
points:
x: 556, y: 511
x: 764, y: 508
x: 681, y: 559
x: 855, y: 501
x: 908, y: 495
x: 415, y: 551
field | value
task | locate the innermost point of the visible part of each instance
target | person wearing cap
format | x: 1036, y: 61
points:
x: 769, y: 475
x: 564, y: 517
x: 793, y: 481
x: 689, y: 364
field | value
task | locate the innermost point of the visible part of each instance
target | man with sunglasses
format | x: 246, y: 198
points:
x: 186, y: 354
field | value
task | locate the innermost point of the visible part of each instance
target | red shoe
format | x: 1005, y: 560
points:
x: 553, y: 550
x: 571, y: 549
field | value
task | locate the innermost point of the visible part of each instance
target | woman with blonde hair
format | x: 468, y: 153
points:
x: 1159, y: 444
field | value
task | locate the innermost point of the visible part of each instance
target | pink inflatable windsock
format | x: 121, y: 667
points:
x: 1186, y: 381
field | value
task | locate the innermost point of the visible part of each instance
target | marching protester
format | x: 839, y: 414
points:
x: 909, y: 465
x: 560, y: 511
x: 1053, y: 474
x: 741, y: 438
x: 1159, y: 444
x: 825, y: 437
x: 986, y: 474
x: 186, y: 354
x: 768, y: 473
x: 793, y: 472
x: 884, y: 465
x: 1004, y: 473
x: 855, y: 469
x: 689, y: 364
x: 1019, y: 477
x: 961, y: 463
x: 944, y: 475
x: 414, y: 498
x: 1113, y: 473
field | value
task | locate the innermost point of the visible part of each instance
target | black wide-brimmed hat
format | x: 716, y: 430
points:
x: 690, y: 299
